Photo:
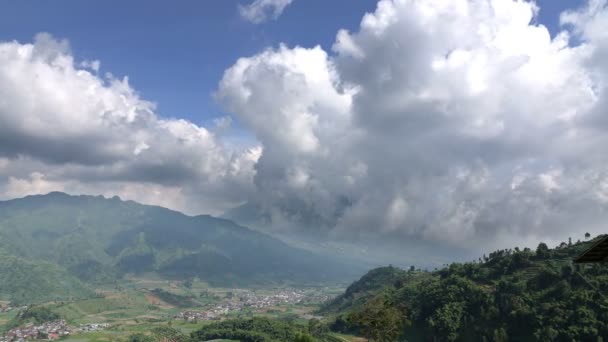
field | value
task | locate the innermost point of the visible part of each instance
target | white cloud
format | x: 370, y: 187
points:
x: 260, y: 11
x: 70, y: 129
x: 469, y: 121
x: 286, y: 96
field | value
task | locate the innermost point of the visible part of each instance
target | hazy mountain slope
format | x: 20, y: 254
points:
x: 113, y: 237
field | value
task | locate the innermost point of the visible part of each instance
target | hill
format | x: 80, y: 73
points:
x: 99, y: 240
x: 510, y: 295
x: 25, y: 281
x: 373, y: 283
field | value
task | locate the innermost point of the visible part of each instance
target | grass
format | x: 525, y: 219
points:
x: 111, y: 309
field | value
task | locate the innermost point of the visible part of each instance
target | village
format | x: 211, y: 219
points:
x: 250, y: 300
x: 48, y: 331
x: 233, y: 301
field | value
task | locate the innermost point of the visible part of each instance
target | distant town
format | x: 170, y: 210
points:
x: 48, y: 331
x: 246, y: 299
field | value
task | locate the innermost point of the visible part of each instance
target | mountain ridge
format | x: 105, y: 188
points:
x: 99, y: 240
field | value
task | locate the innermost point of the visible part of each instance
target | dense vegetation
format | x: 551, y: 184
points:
x: 160, y: 334
x: 245, y: 330
x: 510, y: 295
x: 250, y: 330
x: 52, y: 244
x: 24, y: 281
x: 175, y: 299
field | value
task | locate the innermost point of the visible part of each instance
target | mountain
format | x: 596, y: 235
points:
x: 98, y: 240
x: 510, y: 295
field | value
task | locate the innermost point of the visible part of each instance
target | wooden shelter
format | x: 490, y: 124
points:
x: 598, y: 253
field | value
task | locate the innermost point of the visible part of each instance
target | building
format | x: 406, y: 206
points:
x: 597, y: 253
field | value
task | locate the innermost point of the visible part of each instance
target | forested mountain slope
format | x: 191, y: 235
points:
x: 25, y: 281
x: 99, y: 240
x: 510, y: 295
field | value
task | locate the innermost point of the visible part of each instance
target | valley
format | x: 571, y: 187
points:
x: 60, y: 247
x: 89, y: 269
x: 140, y: 305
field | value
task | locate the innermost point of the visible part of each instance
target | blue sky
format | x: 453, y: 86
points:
x: 176, y: 52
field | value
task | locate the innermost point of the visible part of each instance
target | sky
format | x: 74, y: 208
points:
x: 453, y: 123
x: 175, y: 53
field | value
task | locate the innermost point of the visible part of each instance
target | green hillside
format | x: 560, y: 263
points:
x: 98, y: 240
x: 510, y: 295
x: 371, y: 284
x: 24, y: 281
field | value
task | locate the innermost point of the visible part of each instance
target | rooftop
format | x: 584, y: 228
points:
x: 596, y: 254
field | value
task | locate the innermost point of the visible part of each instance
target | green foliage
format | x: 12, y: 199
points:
x: 24, y: 281
x: 512, y: 295
x: 160, y: 334
x: 317, y: 328
x: 169, y: 334
x: 378, y: 320
x: 252, y: 330
x: 141, y: 338
x: 542, y: 251
x: 39, y: 314
x: 175, y: 299
x: 304, y: 338
x: 372, y: 283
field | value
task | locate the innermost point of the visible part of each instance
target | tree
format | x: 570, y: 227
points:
x: 317, y: 328
x: 447, y: 320
x: 587, y: 236
x: 304, y: 338
x: 378, y: 320
x: 542, y: 251
x: 140, y: 338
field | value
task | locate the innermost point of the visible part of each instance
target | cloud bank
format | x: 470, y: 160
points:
x: 460, y: 122
x: 456, y: 121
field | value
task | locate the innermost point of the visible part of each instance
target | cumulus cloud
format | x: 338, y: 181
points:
x: 462, y: 122
x: 69, y: 129
x: 260, y: 11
